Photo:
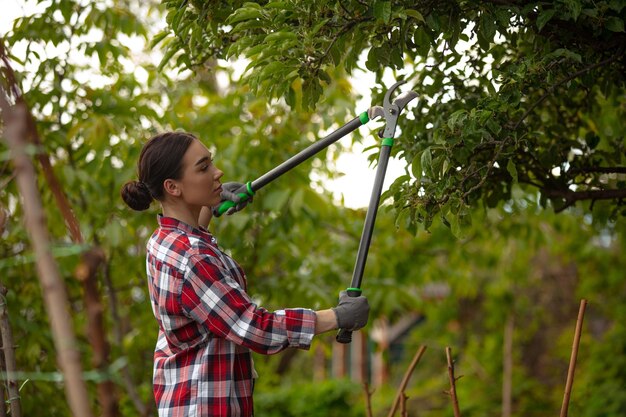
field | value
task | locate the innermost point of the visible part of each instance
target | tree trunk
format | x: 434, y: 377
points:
x: 86, y: 273
x: 52, y: 285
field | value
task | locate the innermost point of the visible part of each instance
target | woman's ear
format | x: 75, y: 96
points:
x: 171, y: 187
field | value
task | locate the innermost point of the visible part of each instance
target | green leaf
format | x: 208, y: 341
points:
x: 415, y: 15
x: 243, y: 14
x: 510, y: 167
x: 488, y: 27
x: 272, y: 68
x: 281, y: 36
x: 416, y: 168
x: 615, y: 24
x: 158, y: 38
x: 280, y: 5
x: 426, y: 162
x: 493, y: 126
x: 382, y: 11
x: 422, y: 41
x: 456, y: 118
x: 575, y: 7
x: 318, y: 27
x: 544, y: 17
x: 617, y: 5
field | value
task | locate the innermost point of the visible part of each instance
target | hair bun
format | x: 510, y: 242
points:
x: 136, y: 195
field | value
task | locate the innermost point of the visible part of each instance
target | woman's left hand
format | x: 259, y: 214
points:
x: 231, y: 192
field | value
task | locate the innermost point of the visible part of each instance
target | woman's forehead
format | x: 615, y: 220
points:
x: 197, y: 150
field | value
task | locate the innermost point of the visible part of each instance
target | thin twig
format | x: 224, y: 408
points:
x: 572, y: 360
x: 403, y: 411
x: 3, y: 404
x: 9, y: 356
x: 507, y: 367
x: 368, y: 400
x: 405, y: 380
x: 455, y: 401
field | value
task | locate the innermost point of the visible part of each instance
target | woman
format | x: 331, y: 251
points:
x: 208, y: 324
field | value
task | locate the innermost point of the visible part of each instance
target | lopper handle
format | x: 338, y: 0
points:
x: 245, y: 192
x: 345, y: 336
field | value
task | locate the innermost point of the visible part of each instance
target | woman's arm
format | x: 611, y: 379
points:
x: 326, y: 321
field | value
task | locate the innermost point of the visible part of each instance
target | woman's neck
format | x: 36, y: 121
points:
x: 183, y: 213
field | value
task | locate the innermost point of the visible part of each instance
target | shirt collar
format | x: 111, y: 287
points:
x: 172, y: 223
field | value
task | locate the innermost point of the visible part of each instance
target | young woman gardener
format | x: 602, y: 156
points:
x: 208, y: 325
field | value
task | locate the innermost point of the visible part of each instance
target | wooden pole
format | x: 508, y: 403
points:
x: 572, y: 360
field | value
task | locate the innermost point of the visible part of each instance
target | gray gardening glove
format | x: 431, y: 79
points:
x: 230, y: 192
x: 351, y: 312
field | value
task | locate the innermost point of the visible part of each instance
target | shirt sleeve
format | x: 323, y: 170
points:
x: 213, y: 298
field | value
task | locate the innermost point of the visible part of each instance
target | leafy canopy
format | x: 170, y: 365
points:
x: 512, y: 93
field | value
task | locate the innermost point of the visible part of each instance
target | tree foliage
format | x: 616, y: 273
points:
x: 511, y: 92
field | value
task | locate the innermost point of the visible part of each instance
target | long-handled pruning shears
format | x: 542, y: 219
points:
x: 390, y: 111
x: 248, y: 190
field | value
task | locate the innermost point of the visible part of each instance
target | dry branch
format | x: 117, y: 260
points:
x: 455, y: 402
x: 507, y: 368
x: 368, y: 399
x: 9, y: 357
x: 572, y: 361
x: 3, y: 404
x: 405, y: 380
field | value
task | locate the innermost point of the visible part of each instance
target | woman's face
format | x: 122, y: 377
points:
x: 200, y: 183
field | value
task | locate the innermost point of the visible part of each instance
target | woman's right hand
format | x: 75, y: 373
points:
x: 352, y: 312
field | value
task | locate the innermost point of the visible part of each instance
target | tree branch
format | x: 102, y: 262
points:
x: 455, y: 401
x: 9, y: 357
x: 552, y: 88
x: 571, y: 197
x: 602, y: 170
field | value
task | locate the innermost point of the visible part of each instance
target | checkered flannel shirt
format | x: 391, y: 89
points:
x: 208, y: 325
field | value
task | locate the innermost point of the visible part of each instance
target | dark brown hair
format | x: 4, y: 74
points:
x: 161, y: 158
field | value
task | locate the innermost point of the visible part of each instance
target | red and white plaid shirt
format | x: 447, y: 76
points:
x: 208, y: 325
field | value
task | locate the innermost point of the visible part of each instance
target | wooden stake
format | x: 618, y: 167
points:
x: 405, y: 380
x: 572, y: 360
x: 455, y: 402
